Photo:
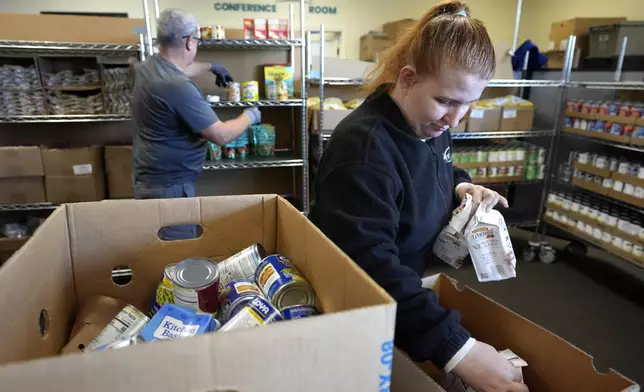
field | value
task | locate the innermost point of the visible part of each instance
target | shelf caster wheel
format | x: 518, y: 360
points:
x: 576, y: 249
x: 547, y: 255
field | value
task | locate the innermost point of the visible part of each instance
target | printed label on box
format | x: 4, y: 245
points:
x: 509, y: 114
x: 477, y: 113
x: 81, y: 170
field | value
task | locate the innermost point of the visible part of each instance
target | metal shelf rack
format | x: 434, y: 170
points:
x: 65, y: 118
x: 622, y: 146
x: 254, y: 163
x: 28, y: 207
x: 260, y: 103
x: 502, y: 134
x: 67, y: 48
x: 252, y: 44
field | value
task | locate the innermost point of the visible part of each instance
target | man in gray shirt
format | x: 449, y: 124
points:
x: 172, y: 119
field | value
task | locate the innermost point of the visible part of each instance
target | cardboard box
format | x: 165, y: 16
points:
x: 22, y: 190
x: 397, y: 28
x: 561, y: 30
x: 517, y: 118
x: 462, y: 126
x: 72, y: 189
x: 343, y: 349
x: 556, y: 59
x: 484, y: 120
x: 340, y: 68
x: 553, y: 363
x: 118, y: 169
x: 20, y: 161
x: 372, y: 44
x: 330, y: 120
x: 72, y: 161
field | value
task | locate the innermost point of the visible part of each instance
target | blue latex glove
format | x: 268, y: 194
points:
x: 223, y: 77
x: 253, y: 115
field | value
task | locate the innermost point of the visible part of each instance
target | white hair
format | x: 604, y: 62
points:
x: 175, y: 24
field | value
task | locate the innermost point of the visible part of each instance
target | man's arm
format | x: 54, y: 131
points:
x: 364, y: 226
x: 198, y: 68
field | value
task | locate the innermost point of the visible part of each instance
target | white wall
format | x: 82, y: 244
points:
x: 354, y: 17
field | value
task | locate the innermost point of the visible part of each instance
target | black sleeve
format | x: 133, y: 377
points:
x: 460, y: 176
x: 358, y: 212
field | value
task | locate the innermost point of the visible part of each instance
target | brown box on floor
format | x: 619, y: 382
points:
x: 118, y: 169
x: 517, y: 119
x: 79, y: 246
x: 553, y: 363
x: 372, y: 44
x: 484, y: 120
x: 21, y: 175
x: 397, y: 28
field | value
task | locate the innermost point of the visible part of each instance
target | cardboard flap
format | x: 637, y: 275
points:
x: 408, y: 377
x: 104, y: 236
x: 282, y: 357
x: 568, y: 368
x: 37, y: 281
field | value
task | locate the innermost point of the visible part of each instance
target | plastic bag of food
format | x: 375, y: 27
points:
x: 451, y: 246
x: 333, y: 104
x: 354, y: 103
x: 490, y: 246
x: 178, y: 322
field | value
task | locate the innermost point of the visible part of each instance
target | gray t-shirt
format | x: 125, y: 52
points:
x: 169, y: 114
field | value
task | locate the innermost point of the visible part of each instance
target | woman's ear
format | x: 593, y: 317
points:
x: 407, y: 77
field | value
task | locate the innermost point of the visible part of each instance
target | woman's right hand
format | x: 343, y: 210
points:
x: 485, y: 370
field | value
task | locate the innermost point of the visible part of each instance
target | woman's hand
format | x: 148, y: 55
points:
x: 481, y: 194
x: 485, y: 370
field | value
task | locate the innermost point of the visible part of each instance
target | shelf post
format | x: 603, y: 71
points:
x: 620, y: 60
x: 304, y: 130
x: 148, y: 28
x: 517, y: 23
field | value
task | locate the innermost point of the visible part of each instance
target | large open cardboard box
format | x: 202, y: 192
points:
x: 71, y: 257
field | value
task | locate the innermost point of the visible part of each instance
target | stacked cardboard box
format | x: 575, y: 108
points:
x: 118, y: 168
x: 508, y: 113
x: 21, y: 175
x: 74, y: 175
x: 373, y: 44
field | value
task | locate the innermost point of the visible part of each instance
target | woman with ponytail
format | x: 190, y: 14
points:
x: 386, y: 185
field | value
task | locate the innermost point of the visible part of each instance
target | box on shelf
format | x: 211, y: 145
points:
x: 556, y: 59
x: 118, y: 170
x: 484, y: 119
x: 20, y: 161
x: 330, y: 120
x: 561, y: 30
x: 372, y: 44
x: 72, y: 161
x: 340, y: 68
x: 71, y: 189
x: 20, y: 190
x: 462, y: 126
x: 553, y: 363
x: 397, y: 28
x: 518, y: 118
x: 606, y: 40
x: 79, y: 246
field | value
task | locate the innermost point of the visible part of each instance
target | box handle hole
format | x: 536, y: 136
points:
x: 179, y: 232
x: 43, y: 323
x: 121, y: 275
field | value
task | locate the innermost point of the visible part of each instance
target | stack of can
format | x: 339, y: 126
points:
x: 625, y: 110
x: 516, y: 159
x: 612, y: 164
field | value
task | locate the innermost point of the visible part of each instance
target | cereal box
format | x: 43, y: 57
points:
x: 260, y: 28
x: 249, y: 28
x: 284, y: 29
x: 278, y: 82
x: 273, y: 27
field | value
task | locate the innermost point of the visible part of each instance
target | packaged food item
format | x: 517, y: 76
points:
x: 241, y: 265
x: 259, y: 25
x: 205, y: 32
x: 333, y: 104
x: 195, y: 283
x: 284, y: 29
x: 214, y: 151
x: 278, y: 82
x: 298, y: 311
x: 249, y: 28
x: 236, y: 295
x: 126, y: 324
x: 250, y: 91
x: 234, y: 92
x: 220, y: 32
x: 258, y: 311
x: 451, y: 245
x: 490, y: 246
x: 273, y: 28
x: 354, y: 103
x: 177, y: 322
x: 282, y: 283
x: 165, y: 292
x: 263, y: 140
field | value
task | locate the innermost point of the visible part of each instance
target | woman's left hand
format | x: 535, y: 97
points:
x: 481, y: 194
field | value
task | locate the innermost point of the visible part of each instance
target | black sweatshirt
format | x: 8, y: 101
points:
x: 383, y: 195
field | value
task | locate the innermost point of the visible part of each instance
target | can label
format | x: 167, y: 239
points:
x: 257, y: 312
x: 241, y: 265
x: 234, y: 92
x: 275, y: 272
x: 250, y: 91
x: 126, y: 324
x: 298, y: 311
x: 235, y: 295
x: 164, y: 293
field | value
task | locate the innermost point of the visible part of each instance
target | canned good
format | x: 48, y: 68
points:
x: 121, y: 343
x: 236, y: 295
x: 196, y: 284
x: 618, y: 186
x: 617, y: 242
x: 541, y: 172
x: 639, y: 192
x: 583, y: 210
x: 533, y: 155
x: 503, y: 171
x: 493, y: 156
x: 298, y: 311
x: 520, y: 170
x: 241, y: 265
x: 531, y: 172
x: 205, y: 32
x: 629, y: 189
x: 520, y: 154
x: 250, y: 91
x: 503, y: 155
x: 640, y: 172
x: 551, y: 198
x: 611, y: 220
x: 627, y: 246
x: 588, y: 229
x: 493, y: 172
x: 593, y: 213
x: 165, y: 291
x: 550, y: 213
x: 481, y: 156
x: 612, y: 164
x: 512, y: 171
x: 638, y: 251
x: 582, y: 157
x: 512, y: 155
x: 624, y: 167
x: 606, y: 237
x: 607, y: 183
x: 282, y: 283
x: 559, y: 199
x: 234, y: 92
x: 601, y: 162
x: 126, y: 324
x: 220, y: 32
x: 597, y: 233
x: 581, y: 226
x: 258, y: 311
x: 541, y: 157
x: 481, y: 172
x: 575, y: 206
x: 566, y: 204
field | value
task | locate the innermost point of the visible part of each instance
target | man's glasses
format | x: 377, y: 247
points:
x: 198, y: 39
